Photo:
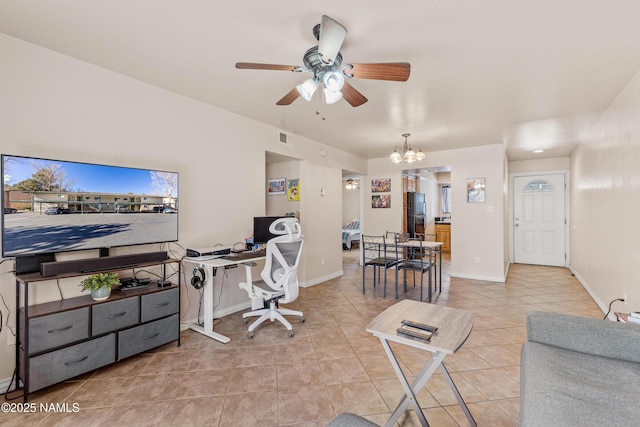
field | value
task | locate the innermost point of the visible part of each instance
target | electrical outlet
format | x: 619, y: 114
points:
x: 477, y: 260
x: 321, y: 261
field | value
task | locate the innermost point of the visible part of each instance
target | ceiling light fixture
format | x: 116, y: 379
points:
x: 538, y: 151
x: 351, y: 184
x: 332, y: 83
x: 404, y: 153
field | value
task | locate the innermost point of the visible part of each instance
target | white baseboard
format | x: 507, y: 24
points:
x: 598, y: 301
x: 477, y: 277
x: 319, y: 280
x: 4, y: 384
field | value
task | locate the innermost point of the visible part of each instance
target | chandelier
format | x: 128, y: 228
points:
x: 405, y: 153
x: 351, y: 184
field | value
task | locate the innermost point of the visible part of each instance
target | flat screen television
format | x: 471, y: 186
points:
x: 57, y: 206
x: 261, y: 233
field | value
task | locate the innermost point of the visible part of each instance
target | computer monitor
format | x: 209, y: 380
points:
x: 261, y: 233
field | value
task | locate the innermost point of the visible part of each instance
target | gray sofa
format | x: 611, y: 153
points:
x: 579, y: 371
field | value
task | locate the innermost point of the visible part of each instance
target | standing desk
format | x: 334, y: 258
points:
x: 209, y: 264
x: 454, y: 326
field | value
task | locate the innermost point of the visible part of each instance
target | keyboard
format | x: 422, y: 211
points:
x: 244, y: 255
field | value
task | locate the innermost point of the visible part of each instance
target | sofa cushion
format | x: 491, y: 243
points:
x: 562, y: 387
x: 595, y: 336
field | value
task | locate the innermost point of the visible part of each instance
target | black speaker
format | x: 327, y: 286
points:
x: 197, y: 281
x: 31, y: 263
x: 96, y: 264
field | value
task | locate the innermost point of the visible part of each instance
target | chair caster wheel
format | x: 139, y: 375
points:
x: 245, y: 320
x: 302, y: 319
x: 250, y: 334
x: 290, y: 333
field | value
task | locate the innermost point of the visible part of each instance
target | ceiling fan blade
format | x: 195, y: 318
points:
x: 396, y: 71
x: 352, y: 96
x: 276, y: 67
x: 332, y: 34
x: 289, y: 97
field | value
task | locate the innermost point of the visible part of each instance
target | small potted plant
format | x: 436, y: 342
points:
x: 100, y: 285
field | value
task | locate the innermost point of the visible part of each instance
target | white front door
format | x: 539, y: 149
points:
x: 539, y: 219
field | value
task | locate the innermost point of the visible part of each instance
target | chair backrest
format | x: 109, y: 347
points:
x: 417, y: 252
x: 280, y: 270
x: 372, y: 247
x: 428, y: 237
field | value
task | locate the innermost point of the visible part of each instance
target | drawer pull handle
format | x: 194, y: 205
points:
x: 75, y: 362
x: 111, y: 316
x: 162, y: 305
x: 151, y: 336
x: 55, y: 331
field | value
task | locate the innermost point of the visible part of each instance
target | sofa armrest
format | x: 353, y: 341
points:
x: 586, y: 335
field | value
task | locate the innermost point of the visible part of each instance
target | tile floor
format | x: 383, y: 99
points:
x: 329, y: 366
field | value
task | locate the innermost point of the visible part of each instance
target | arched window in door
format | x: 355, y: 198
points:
x: 538, y: 185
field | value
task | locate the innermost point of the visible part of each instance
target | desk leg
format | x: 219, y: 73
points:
x: 461, y: 402
x: 208, y: 310
x: 414, y: 388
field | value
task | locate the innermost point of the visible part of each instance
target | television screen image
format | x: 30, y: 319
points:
x: 54, y: 206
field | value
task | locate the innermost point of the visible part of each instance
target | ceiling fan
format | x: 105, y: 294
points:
x: 325, y: 62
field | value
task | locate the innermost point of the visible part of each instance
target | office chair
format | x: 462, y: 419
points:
x: 279, y: 282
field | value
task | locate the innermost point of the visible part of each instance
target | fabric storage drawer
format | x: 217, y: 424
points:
x: 159, y: 304
x: 146, y: 337
x: 69, y: 362
x: 114, y: 315
x: 58, y: 329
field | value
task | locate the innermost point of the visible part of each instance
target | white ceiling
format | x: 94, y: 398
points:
x: 527, y: 73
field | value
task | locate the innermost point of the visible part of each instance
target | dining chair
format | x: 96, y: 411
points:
x: 420, y: 263
x: 433, y: 237
x: 375, y: 254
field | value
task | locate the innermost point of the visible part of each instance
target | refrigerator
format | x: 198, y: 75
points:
x: 416, y: 212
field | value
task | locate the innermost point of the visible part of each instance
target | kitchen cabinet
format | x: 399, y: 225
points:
x: 444, y: 236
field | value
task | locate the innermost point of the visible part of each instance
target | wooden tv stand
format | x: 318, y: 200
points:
x: 62, y: 339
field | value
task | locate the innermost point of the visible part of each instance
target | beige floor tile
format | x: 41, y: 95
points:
x: 329, y: 366
x: 305, y: 404
x: 340, y: 371
x: 358, y: 398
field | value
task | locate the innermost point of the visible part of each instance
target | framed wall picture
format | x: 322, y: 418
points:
x: 293, y: 189
x: 276, y: 186
x: 381, y: 201
x: 475, y: 190
x: 381, y: 185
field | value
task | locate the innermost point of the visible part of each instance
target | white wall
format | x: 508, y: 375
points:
x: 54, y: 106
x: 605, y: 202
x: 350, y: 204
x: 477, y: 232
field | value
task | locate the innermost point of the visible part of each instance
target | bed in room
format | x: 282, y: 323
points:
x: 351, y: 234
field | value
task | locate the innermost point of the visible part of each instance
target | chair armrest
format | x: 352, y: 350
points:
x: 586, y: 335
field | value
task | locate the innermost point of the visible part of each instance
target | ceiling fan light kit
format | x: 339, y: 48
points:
x: 408, y: 155
x: 325, y: 62
x: 351, y: 184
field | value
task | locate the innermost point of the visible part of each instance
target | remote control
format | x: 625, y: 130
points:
x: 413, y: 334
x: 422, y: 326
